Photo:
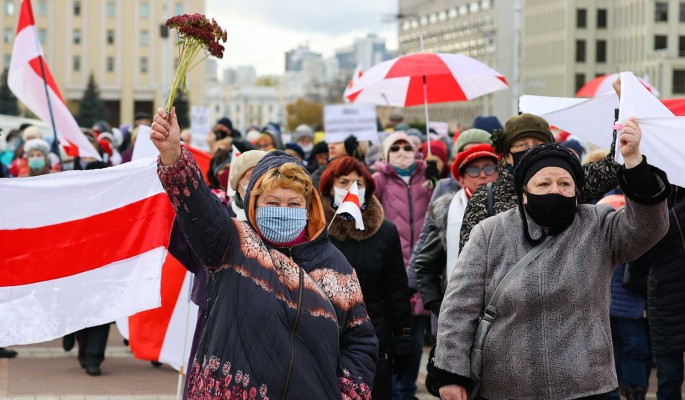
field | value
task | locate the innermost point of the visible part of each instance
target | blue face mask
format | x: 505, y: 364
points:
x: 281, y: 224
x: 36, y: 163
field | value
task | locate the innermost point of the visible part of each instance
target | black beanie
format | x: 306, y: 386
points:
x: 547, y: 155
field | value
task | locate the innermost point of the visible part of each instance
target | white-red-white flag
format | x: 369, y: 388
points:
x: 25, y: 79
x: 351, y: 91
x: 352, y: 206
x: 80, y: 248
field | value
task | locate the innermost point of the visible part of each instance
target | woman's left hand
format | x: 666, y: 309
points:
x: 630, y: 142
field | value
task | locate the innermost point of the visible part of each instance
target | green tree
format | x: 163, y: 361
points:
x: 304, y: 112
x: 92, y: 107
x: 8, y: 102
x: 182, y: 104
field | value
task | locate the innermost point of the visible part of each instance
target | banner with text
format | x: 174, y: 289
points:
x: 359, y: 120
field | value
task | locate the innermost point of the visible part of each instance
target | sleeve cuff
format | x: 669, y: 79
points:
x: 437, y: 378
x: 177, y: 167
x: 644, y: 183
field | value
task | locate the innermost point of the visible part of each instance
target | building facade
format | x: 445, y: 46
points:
x: 119, y: 42
x: 567, y: 43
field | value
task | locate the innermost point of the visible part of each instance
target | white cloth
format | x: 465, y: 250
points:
x: 455, y: 216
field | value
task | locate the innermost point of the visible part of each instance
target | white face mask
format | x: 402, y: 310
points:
x: 339, y: 195
x: 402, y: 159
x: 307, y: 147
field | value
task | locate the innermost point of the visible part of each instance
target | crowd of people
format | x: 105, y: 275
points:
x: 574, y: 262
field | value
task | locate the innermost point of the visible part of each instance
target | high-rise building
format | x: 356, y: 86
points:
x: 481, y: 29
x: 565, y: 44
x: 296, y: 58
x: 119, y: 42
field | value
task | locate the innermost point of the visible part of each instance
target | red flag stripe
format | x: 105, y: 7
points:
x: 66, y: 249
x: 35, y: 66
x: 25, y: 16
x: 147, y: 329
x: 352, y: 198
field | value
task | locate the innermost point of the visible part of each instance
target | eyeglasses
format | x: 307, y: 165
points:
x: 474, y: 172
x: 396, y: 147
x: 523, y: 146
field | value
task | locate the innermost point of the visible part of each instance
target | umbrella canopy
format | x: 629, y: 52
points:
x: 602, y: 85
x: 447, y: 77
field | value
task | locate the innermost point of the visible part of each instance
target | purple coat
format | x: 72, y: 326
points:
x: 404, y: 204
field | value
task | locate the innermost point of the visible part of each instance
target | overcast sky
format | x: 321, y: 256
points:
x: 261, y: 31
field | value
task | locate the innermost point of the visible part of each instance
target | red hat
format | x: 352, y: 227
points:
x: 438, y: 148
x: 473, y: 153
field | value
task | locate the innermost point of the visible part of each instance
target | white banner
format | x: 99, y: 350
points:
x: 341, y: 121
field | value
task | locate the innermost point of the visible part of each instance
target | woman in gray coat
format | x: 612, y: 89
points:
x: 551, y: 338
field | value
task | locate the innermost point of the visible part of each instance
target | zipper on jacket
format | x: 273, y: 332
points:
x: 411, y: 217
x: 292, y: 332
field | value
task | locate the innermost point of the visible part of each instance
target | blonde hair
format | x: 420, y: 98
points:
x: 287, y: 176
x: 595, y: 155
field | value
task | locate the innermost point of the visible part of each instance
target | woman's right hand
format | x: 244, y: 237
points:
x: 166, y: 136
x: 453, y: 392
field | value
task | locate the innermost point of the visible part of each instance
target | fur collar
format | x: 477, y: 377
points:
x: 342, y: 230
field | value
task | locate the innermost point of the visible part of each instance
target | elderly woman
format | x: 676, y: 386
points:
x: 376, y: 255
x: 285, y: 313
x: 550, y: 338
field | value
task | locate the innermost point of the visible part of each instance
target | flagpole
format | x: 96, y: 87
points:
x: 55, y: 142
x: 179, y: 389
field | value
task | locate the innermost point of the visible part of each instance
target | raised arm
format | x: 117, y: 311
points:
x: 199, y: 213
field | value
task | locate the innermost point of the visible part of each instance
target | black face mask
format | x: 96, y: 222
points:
x: 516, y: 157
x: 552, y: 210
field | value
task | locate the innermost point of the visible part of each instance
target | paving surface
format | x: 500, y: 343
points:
x: 45, y: 371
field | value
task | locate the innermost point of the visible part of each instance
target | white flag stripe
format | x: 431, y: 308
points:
x: 40, y: 312
x: 181, y: 329
x: 24, y: 203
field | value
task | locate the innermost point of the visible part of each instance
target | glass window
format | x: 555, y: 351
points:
x: 485, y: 4
x: 681, y: 46
x: 111, y: 9
x: 144, y: 38
x: 442, y: 16
x: 110, y: 36
x: 580, y: 81
x: 580, y: 51
x: 581, y: 18
x: 601, y: 51
x: 42, y: 35
x: 682, y: 11
x: 474, y: 7
x: 9, y: 7
x: 143, y: 65
x: 42, y: 8
x: 661, y: 11
x: 601, y: 18
x: 110, y: 64
x: 8, y: 35
x: 433, y: 18
x: 77, y: 8
x: 453, y: 13
x: 144, y: 10
x: 660, y: 42
x: 679, y: 81
x: 463, y: 10
x: 178, y: 8
x: 77, y: 36
x: 76, y: 63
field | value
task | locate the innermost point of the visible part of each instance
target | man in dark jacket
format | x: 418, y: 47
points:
x: 666, y: 300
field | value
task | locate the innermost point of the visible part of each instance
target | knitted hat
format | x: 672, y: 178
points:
x: 473, y: 135
x: 575, y: 146
x: 319, y: 148
x: 392, y: 139
x: 36, y: 144
x: 438, y: 148
x: 31, y: 132
x: 487, y: 123
x: 547, y: 155
x: 521, y: 126
x: 296, y: 148
x: 303, y: 131
x: 474, y: 153
x: 241, y: 164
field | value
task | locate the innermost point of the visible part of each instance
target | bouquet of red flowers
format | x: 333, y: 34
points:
x: 195, y: 33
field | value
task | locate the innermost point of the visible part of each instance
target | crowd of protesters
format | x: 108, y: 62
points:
x: 445, y: 217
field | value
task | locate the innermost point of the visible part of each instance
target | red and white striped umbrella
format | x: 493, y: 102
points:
x: 602, y: 85
x: 403, y: 81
